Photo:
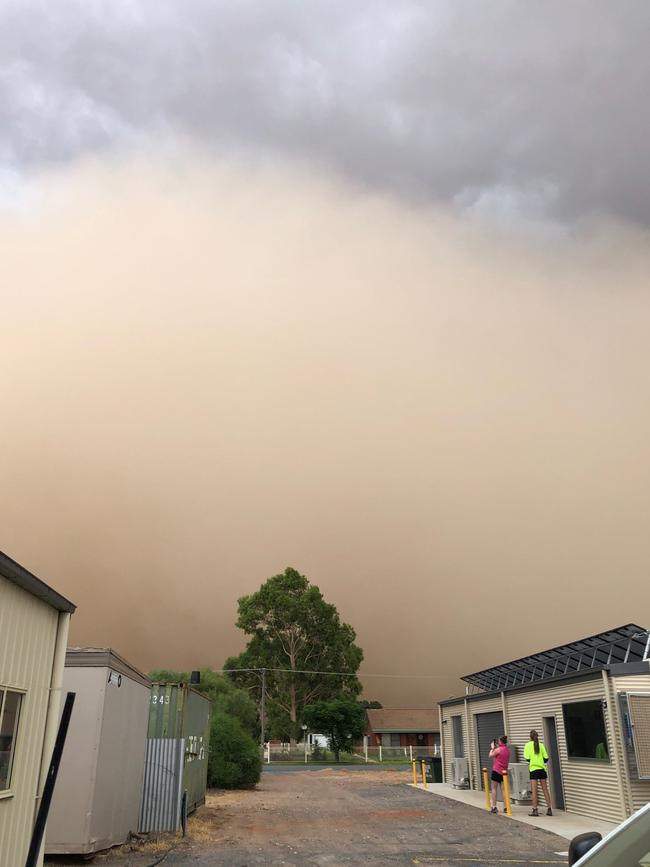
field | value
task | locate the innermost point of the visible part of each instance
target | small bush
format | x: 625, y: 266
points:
x: 234, y: 761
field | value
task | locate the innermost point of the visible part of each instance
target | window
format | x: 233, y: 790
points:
x: 395, y: 740
x: 584, y: 725
x: 459, y: 743
x: 9, y: 714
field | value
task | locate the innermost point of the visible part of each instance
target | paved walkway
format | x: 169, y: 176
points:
x: 567, y: 825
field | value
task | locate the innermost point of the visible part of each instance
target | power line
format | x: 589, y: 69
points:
x: 337, y: 673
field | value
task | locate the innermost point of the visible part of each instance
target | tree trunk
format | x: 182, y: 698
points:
x: 293, y: 715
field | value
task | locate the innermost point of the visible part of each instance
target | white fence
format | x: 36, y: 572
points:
x: 362, y: 754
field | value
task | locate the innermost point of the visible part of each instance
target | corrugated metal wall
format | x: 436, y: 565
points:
x: 638, y: 791
x: 163, y: 785
x: 590, y: 788
x: 28, y: 629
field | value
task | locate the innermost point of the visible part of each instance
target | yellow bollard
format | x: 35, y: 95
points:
x: 506, y: 794
x: 424, y: 774
x: 415, y: 773
x: 488, y: 804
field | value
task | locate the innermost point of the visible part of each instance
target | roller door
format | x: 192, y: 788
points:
x: 489, y: 727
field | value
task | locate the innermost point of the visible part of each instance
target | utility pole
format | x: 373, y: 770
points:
x: 263, y: 713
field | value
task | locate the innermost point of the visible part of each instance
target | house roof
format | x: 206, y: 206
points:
x: 18, y: 575
x: 624, y: 644
x: 403, y: 719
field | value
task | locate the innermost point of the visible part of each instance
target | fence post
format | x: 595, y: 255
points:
x: 487, y: 789
x: 380, y: 758
x: 411, y: 752
x: 365, y: 750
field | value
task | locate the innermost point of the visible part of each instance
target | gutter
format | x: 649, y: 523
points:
x: 53, y: 705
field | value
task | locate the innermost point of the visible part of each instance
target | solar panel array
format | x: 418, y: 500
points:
x: 629, y: 643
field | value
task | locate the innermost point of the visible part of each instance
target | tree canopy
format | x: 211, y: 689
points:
x: 342, y: 720
x: 292, y: 627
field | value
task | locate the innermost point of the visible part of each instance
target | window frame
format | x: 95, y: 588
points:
x: 587, y: 759
x: 21, y: 693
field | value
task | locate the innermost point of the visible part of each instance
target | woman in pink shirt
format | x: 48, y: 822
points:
x: 500, y: 754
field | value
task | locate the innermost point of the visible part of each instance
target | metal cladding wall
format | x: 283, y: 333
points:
x: 163, y: 785
x: 28, y: 630
x: 178, y: 711
x: 591, y: 788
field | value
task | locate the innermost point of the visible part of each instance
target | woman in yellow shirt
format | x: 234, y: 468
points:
x: 537, y: 757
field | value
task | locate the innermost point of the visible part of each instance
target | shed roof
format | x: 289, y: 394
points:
x: 624, y: 644
x: 18, y: 575
x: 403, y: 719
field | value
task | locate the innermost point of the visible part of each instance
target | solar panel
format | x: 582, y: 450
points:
x: 629, y: 643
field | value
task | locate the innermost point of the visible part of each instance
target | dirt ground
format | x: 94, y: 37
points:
x: 351, y: 817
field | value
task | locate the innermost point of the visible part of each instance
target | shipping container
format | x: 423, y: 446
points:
x: 98, y: 791
x: 179, y: 712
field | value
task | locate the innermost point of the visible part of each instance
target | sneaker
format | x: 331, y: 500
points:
x: 533, y: 812
x: 549, y: 812
x: 494, y: 810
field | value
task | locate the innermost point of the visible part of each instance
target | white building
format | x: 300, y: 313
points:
x: 590, y: 703
x: 34, y: 622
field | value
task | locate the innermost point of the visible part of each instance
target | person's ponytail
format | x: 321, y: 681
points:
x: 535, y: 739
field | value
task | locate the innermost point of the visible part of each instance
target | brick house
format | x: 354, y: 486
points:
x: 404, y: 727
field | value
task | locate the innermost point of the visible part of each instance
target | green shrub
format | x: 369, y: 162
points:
x: 234, y: 761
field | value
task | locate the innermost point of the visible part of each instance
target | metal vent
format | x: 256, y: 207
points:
x: 638, y: 706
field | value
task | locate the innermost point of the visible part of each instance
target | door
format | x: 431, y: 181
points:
x: 457, y: 732
x: 550, y: 739
x: 489, y: 727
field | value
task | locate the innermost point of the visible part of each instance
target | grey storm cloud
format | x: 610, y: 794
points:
x: 520, y: 107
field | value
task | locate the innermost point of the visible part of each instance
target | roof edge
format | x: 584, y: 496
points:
x: 104, y: 657
x: 617, y: 670
x: 20, y: 576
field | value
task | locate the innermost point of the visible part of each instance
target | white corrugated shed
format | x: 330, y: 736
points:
x: 32, y: 628
x: 600, y: 786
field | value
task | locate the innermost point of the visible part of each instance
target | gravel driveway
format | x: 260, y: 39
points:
x: 331, y: 817
x: 356, y: 817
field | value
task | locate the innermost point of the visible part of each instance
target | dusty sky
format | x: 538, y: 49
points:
x: 368, y: 299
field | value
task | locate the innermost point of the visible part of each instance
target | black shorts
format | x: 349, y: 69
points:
x: 539, y: 774
x: 497, y: 777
